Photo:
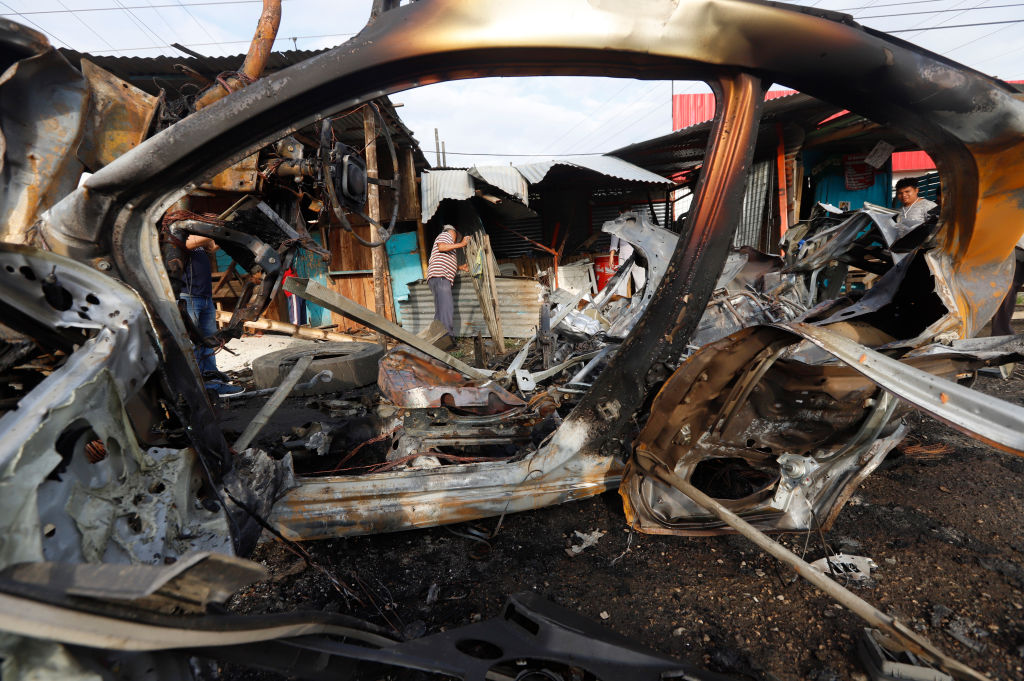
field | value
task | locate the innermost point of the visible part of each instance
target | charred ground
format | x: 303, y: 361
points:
x: 941, y: 518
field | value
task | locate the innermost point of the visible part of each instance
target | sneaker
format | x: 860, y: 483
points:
x: 222, y: 388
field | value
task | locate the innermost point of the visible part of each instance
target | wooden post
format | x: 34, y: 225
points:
x: 475, y: 252
x: 780, y: 167
x: 411, y: 188
x: 490, y: 265
x: 381, y: 274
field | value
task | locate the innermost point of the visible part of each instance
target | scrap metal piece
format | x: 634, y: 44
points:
x: 657, y: 245
x: 119, y: 117
x: 531, y: 639
x: 321, y: 295
x: 997, y: 422
x: 410, y: 378
x: 268, y: 409
x: 42, y: 124
x: 527, y: 381
x: 188, y: 584
x: 913, y: 641
x: 844, y: 566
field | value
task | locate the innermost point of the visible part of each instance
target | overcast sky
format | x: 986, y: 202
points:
x: 482, y: 121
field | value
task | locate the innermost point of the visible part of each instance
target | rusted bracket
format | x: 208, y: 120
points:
x: 335, y: 302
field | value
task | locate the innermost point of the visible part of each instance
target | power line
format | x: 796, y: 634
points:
x: 940, y: 11
x: 90, y: 28
x: 129, y: 7
x: 228, y: 42
x: 981, y: 37
x: 200, y: 24
x: 614, y: 115
x: 573, y: 128
x: 142, y: 25
x: 936, y: 28
x: 890, y: 4
x: 483, y: 153
x: 49, y: 33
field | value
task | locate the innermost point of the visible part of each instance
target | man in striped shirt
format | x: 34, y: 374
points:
x: 441, y: 269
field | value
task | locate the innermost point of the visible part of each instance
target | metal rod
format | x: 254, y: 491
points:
x: 283, y: 390
x: 914, y: 642
x: 334, y: 301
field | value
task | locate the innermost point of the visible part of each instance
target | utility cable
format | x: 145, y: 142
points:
x: 142, y: 25
x: 198, y: 23
x: 613, y: 116
x: 87, y: 26
x: 226, y: 42
x: 939, y: 11
x: 129, y: 7
x: 980, y: 23
x: 572, y: 128
x: 43, y: 30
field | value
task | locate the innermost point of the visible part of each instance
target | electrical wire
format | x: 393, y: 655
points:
x: 939, y: 11
x: 571, y: 129
x: 143, y: 25
x: 87, y: 26
x: 198, y: 23
x: 120, y: 8
x: 613, y: 116
x: 225, y: 42
x: 980, y: 23
x: 43, y: 30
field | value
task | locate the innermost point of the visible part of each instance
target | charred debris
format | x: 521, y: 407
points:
x: 742, y: 371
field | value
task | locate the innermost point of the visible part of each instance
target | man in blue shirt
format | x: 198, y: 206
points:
x: 197, y: 293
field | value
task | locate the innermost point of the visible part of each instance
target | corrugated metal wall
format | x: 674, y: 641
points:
x: 519, y: 301
x: 756, y: 211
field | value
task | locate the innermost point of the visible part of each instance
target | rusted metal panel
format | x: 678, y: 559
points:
x: 409, y: 378
x: 118, y: 118
x: 519, y: 301
x: 241, y: 177
x: 42, y: 123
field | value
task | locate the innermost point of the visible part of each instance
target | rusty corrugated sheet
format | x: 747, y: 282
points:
x: 519, y: 301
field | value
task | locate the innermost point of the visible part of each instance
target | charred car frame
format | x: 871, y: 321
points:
x: 91, y: 283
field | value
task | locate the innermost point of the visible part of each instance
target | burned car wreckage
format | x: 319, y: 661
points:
x: 752, y: 378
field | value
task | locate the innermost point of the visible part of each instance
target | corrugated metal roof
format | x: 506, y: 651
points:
x: 605, y: 165
x: 519, y: 301
x: 437, y: 185
x: 505, y: 178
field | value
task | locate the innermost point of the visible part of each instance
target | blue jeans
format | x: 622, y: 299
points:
x: 204, y: 316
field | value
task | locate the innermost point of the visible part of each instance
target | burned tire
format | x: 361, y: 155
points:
x: 353, y: 365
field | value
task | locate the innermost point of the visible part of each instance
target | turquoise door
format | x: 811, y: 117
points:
x: 404, y: 263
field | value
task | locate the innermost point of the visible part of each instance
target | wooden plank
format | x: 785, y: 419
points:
x: 321, y: 295
x: 490, y: 265
x: 474, y: 254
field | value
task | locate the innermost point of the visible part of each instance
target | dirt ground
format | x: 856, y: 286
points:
x: 942, y: 518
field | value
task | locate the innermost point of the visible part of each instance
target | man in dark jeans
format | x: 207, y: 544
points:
x: 198, y: 296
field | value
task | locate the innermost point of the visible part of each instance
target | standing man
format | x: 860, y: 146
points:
x: 197, y: 293
x: 914, y: 208
x: 441, y: 269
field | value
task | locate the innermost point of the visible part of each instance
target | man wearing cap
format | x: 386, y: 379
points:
x: 441, y: 269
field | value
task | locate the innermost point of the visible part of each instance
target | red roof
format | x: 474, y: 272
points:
x: 690, y: 109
